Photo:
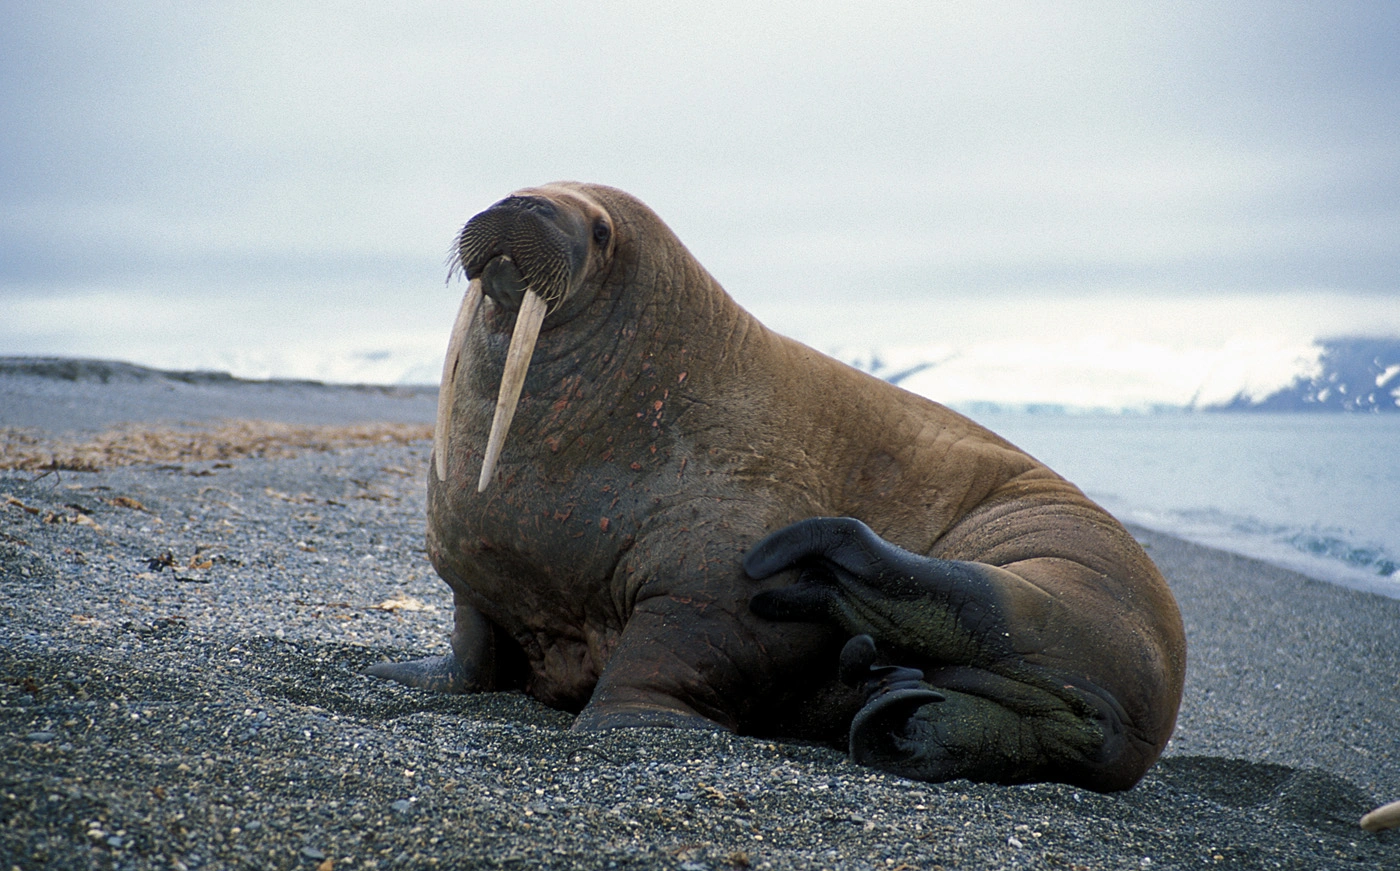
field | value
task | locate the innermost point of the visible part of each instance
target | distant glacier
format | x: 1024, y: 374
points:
x: 1353, y: 374
x: 1079, y: 376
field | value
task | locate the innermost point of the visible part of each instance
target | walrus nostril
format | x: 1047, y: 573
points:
x: 540, y: 206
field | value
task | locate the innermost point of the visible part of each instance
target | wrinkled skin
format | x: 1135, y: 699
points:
x: 671, y: 459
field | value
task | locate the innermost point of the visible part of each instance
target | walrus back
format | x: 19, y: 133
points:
x: 936, y: 483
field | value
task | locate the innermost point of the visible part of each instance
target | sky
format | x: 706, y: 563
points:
x: 1128, y: 199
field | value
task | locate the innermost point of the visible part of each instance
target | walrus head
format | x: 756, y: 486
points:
x: 530, y: 253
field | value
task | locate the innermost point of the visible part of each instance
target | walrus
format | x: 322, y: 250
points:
x: 654, y: 511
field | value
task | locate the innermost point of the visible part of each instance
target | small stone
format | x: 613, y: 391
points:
x: 115, y: 842
x: 312, y: 853
x: 1014, y: 841
x: 40, y: 737
x: 403, y: 806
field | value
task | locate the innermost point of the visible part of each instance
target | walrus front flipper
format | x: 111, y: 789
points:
x: 470, y: 667
x: 1004, y: 712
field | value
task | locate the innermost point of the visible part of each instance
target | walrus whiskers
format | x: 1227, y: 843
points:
x: 447, y: 390
x: 522, y: 346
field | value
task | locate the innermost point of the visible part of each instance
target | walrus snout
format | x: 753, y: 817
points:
x: 524, y: 243
x: 526, y: 253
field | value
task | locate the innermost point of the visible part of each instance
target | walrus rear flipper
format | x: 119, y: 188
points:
x: 967, y: 695
x: 969, y: 723
x: 880, y: 735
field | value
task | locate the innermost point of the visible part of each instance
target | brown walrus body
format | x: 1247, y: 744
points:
x: 662, y: 434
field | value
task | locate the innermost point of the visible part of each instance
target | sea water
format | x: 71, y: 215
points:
x: 1316, y: 493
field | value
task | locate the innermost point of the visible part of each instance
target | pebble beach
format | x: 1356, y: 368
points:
x: 183, y: 634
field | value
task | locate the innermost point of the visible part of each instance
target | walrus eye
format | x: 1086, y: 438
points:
x: 601, y: 233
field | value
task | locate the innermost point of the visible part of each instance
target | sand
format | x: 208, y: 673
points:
x: 182, y: 641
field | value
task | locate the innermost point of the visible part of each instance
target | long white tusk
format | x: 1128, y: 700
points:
x: 451, y: 364
x: 522, y: 346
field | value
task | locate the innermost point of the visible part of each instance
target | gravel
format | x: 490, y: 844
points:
x: 181, y: 657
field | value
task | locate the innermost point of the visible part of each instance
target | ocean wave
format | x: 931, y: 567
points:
x: 1326, y: 553
x: 1367, y: 558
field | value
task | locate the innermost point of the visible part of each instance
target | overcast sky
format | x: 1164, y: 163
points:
x: 265, y: 187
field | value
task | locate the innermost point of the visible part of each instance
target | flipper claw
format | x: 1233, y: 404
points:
x: 858, y: 669
x: 439, y: 674
x: 893, y: 694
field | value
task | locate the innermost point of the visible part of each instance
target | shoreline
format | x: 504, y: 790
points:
x: 1274, y: 556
